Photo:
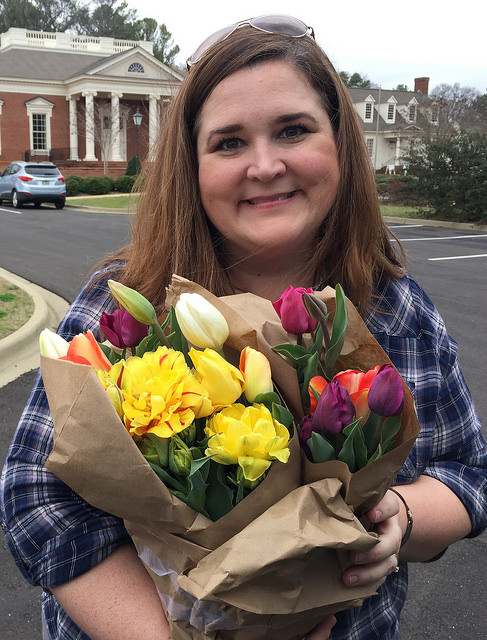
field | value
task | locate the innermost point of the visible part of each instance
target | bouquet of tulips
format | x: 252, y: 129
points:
x: 351, y: 415
x: 195, y: 450
x: 208, y: 429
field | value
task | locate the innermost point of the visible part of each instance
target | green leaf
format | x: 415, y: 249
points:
x: 370, y: 429
x: 390, y: 429
x: 149, y: 343
x: 176, y: 338
x: 162, y: 447
x: 321, y: 449
x: 339, y: 329
x: 294, y: 352
x: 347, y: 452
x: 282, y: 415
x: 196, y: 496
x: 170, y: 482
x: 219, y: 496
x: 267, y: 399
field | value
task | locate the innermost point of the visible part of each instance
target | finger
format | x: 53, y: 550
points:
x: 322, y: 630
x: 374, y: 574
x: 386, y: 508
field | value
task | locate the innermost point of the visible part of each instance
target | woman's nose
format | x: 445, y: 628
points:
x: 265, y: 162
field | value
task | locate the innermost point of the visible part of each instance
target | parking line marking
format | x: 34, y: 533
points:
x: 19, y: 213
x: 480, y: 235
x: 478, y: 255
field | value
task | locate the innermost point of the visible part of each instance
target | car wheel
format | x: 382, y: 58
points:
x: 16, y: 201
x: 59, y: 204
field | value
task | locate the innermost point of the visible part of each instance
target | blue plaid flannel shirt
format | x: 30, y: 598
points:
x: 55, y: 536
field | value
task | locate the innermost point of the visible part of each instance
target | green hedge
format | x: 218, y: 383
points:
x: 125, y: 183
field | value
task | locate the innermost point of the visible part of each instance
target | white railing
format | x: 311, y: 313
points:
x: 67, y: 42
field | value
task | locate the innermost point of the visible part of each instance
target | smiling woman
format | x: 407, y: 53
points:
x: 260, y: 180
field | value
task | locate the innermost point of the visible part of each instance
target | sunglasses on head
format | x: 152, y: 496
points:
x: 268, y: 24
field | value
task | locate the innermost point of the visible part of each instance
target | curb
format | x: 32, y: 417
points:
x: 19, y: 351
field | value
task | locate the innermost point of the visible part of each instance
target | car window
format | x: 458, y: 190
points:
x: 37, y: 170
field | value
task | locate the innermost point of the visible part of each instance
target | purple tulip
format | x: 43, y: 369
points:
x: 122, y: 329
x: 291, y: 311
x: 305, y: 431
x: 386, y: 394
x: 335, y: 409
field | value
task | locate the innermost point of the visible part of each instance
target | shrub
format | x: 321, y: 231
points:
x: 124, y: 184
x: 132, y: 167
x: 74, y: 185
x: 97, y: 185
x: 450, y: 175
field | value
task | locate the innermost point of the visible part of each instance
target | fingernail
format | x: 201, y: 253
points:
x: 353, y: 579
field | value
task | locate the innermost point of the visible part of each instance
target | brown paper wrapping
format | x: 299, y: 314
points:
x: 271, y: 568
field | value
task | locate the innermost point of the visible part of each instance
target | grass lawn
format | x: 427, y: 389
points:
x: 105, y: 202
x: 122, y: 202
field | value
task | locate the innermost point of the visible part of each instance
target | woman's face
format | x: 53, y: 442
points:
x: 268, y: 163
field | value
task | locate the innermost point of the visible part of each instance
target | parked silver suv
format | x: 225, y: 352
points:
x: 32, y: 182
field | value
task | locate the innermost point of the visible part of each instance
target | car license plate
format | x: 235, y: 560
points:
x: 45, y: 182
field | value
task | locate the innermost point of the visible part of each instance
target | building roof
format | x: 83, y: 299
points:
x: 35, y: 64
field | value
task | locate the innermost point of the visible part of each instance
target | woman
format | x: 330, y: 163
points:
x: 261, y: 180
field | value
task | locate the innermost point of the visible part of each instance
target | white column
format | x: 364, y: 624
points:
x: 398, y: 150
x: 153, y: 120
x: 73, y: 128
x: 116, y: 155
x: 90, y: 125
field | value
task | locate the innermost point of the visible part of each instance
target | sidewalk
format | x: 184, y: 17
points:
x: 19, y: 351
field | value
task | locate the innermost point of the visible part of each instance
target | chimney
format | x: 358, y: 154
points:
x: 421, y: 84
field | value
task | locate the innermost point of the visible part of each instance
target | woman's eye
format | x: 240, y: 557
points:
x: 229, y: 144
x: 294, y: 131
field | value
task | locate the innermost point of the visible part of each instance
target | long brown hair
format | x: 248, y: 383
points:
x: 172, y: 233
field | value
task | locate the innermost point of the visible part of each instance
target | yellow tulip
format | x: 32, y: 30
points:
x: 247, y: 436
x: 256, y: 371
x: 201, y: 323
x: 161, y: 395
x: 223, y: 382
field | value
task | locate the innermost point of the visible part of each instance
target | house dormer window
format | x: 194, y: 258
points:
x: 412, y: 110
x: 136, y: 67
x: 368, y: 115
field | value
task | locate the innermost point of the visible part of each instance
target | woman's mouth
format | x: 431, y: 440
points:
x: 274, y: 198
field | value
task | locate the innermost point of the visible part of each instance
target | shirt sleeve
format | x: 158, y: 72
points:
x: 450, y: 446
x: 51, y: 532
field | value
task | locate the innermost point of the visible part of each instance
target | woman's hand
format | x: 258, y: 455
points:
x: 322, y: 630
x: 374, y: 566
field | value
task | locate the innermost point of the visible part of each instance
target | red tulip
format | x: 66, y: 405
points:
x: 122, y: 329
x: 357, y: 383
x: 386, y: 395
x: 335, y: 409
x: 291, y: 311
x: 84, y: 349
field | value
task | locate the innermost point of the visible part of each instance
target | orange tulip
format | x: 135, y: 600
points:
x: 316, y: 386
x: 84, y: 349
x: 357, y: 383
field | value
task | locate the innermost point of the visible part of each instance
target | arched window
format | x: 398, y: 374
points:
x: 136, y: 67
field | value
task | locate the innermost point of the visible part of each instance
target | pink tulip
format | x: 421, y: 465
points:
x: 291, y: 311
x: 122, y: 329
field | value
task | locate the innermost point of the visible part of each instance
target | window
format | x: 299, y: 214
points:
x: 370, y: 146
x: 412, y: 113
x: 136, y: 67
x: 39, y: 112
x: 434, y: 113
x: 391, y: 110
x: 39, y: 132
x: 368, y: 112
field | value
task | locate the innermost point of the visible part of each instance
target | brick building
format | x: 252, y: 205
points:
x: 71, y: 99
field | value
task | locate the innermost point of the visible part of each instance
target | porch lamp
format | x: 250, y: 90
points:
x: 137, y: 122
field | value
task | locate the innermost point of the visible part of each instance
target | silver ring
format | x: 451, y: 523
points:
x: 397, y: 568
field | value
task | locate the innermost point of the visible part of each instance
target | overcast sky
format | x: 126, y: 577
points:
x: 390, y: 43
